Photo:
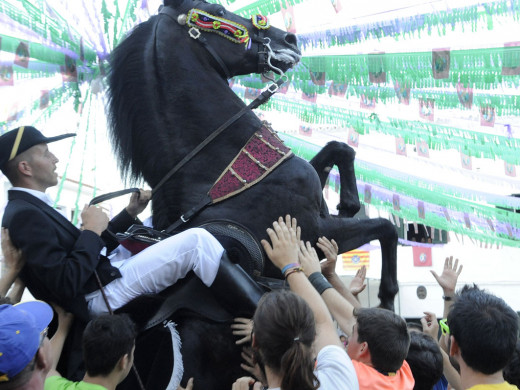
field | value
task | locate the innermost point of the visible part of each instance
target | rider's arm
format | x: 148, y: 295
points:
x: 61, y: 269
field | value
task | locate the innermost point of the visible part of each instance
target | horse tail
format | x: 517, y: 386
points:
x: 131, y: 99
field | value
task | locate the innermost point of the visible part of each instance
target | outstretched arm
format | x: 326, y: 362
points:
x: 58, y: 340
x: 284, y: 250
x: 448, y: 282
x: 342, y: 310
x: 328, y: 269
x: 431, y: 327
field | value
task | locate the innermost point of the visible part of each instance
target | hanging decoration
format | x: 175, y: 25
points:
x: 440, y: 208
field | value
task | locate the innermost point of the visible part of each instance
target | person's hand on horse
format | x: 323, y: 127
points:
x: 308, y: 258
x: 330, y: 250
x: 242, y: 327
x: 449, y: 276
x: 245, y: 383
x: 283, y: 249
x: 93, y: 218
x: 138, y: 202
x: 189, y: 385
x: 430, y: 324
x: 357, y: 284
x: 252, y: 366
x: 13, y: 259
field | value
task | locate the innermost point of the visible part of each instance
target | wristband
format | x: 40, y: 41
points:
x: 319, y: 282
x: 292, y: 271
x: 289, y: 266
x: 447, y: 298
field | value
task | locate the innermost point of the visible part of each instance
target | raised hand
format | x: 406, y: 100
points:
x: 330, y: 249
x: 251, y: 366
x: 308, y: 258
x: 284, y: 247
x: 242, y: 327
x: 13, y: 258
x: 430, y: 324
x: 358, y: 283
x: 246, y: 383
x: 449, y: 276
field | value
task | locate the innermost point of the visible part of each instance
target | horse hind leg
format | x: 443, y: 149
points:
x: 351, y: 233
x: 341, y: 155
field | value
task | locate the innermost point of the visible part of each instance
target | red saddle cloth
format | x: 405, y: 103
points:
x: 260, y: 156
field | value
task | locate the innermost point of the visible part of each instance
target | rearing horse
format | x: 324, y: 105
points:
x: 169, y: 91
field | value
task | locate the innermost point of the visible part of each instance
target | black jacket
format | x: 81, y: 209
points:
x: 60, y: 259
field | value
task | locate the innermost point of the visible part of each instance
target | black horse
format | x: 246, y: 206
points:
x: 169, y: 91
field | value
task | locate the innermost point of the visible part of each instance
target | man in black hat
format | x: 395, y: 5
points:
x: 62, y: 261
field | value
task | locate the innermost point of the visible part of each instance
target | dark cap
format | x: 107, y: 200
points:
x: 19, y: 140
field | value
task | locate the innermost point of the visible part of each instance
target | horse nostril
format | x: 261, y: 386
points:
x: 291, y: 39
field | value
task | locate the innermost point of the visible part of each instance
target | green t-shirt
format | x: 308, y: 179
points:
x: 59, y: 383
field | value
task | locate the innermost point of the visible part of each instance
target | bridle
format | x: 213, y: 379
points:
x: 198, y: 21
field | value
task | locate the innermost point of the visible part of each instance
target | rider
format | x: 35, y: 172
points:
x: 64, y: 264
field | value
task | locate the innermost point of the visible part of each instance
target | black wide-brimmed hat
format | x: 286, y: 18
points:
x: 19, y: 140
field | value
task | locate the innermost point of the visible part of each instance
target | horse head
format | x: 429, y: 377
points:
x: 238, y: 45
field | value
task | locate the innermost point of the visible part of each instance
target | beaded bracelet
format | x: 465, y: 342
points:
x: 289, y: 266
x: 292, y: 271
x: 319, y: 282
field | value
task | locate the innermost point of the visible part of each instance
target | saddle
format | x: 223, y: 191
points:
x: 190, y: 294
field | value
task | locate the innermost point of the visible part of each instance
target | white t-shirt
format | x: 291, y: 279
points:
x: 334, y: 370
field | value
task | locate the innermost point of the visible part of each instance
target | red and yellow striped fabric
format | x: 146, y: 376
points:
x: 355, y: 259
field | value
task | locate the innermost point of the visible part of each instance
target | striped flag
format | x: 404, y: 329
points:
x: 355, y: 259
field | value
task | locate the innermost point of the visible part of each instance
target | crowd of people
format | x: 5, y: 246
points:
x: 314, y: 335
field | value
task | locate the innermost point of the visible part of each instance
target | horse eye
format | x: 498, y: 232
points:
x: 221, y: 11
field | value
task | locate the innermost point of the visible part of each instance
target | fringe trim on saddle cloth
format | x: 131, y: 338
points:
x: 178, y: 366
x: 260, y: 156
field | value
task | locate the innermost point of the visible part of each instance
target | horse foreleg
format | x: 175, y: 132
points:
x: 341, y: 155
x: 351, y: 233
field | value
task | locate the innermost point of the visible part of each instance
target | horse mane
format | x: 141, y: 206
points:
x: 131, y: 112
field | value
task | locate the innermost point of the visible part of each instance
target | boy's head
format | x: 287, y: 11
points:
x: 483, y: 330
x: 108, y: 344
x: 24, y: 346
x: 379, y: 337
x: 425, y: 360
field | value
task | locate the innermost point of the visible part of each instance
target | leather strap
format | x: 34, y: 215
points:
x: 110, y: 195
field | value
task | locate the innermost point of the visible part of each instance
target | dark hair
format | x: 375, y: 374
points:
x: 512, y: 370
x: 284, y: 331
x: 425, y: 360
x: 414, y: 326
x: 485, y: 328
x: 387, y: 337
x: 106, y: 339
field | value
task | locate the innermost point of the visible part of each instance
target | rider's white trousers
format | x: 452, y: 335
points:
x: 159, y: 266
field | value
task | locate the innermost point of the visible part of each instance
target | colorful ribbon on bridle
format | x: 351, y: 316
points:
x: 233, y: 31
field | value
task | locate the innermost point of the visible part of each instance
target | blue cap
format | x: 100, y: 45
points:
x: 21, y: 326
